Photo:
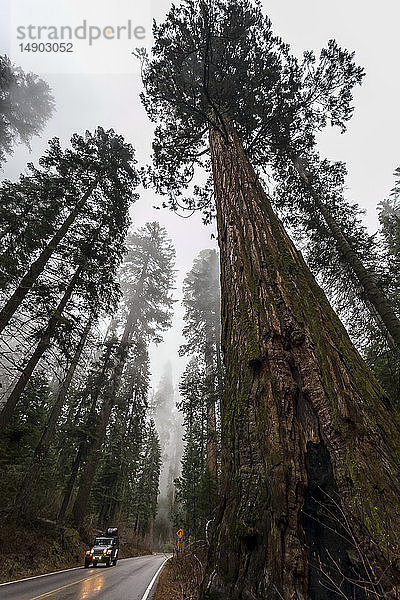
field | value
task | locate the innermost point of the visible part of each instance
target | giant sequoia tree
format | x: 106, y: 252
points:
x: 310, y: 442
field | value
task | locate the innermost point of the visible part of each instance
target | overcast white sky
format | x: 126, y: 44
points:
x: 100, y: 84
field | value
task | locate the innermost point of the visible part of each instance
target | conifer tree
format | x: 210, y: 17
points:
x: 163, y: 409
x: 26, y: 104
x: 21, y: 438
x: 42, y: 449
x: 96, y: 175
x: 83, y: 428
x: 309, y: 437
x: 338, y: 247
x: 114, y: 487
x: 389, y: 217
x: 381, y: 354
x: 30, y: 210
x: 146, y: 278
x: 195, y: 486
x: 203, y: 332
x: 92, y: 282
x: 148, y: 480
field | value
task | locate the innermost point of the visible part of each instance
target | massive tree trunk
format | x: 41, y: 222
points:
x: 373, y: 293
x: 43, y: 447
x: 310, y: 459
x: 11, y: 399
x: 40, y: 263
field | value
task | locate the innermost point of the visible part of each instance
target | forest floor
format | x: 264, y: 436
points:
x: 41, y: 547
x: 182, y: 575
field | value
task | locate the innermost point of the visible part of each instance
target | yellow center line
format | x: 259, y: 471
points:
x: 63, y: 587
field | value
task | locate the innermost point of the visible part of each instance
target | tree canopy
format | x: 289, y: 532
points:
x: 26, y: 104
x: 215, y: 62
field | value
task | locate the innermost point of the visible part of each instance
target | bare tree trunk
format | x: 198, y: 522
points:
x: 310, y: 442
x: 42, y: 449
x: 373, y: 293
x: 38, y: 266
x: 14, y: 395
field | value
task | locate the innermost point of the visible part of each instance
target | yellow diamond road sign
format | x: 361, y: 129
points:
x: 179, y: 533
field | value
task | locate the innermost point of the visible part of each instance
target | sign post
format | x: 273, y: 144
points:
x: 179, y: 534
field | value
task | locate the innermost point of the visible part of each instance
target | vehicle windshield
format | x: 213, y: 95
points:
x: 102, y: 542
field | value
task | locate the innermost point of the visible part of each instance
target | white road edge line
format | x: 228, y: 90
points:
x: 147, y: 592
x: 39, y: 576
x: 63, y: 571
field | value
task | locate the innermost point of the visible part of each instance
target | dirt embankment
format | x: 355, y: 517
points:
x: 182, y: 575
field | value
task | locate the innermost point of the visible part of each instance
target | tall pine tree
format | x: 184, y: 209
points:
x: 91, y: 252
x: 94, y: 176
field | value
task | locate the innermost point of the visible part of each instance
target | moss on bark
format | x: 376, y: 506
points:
x: 305, y: 423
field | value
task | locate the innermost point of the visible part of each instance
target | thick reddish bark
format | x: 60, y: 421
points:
x: 311, y: 477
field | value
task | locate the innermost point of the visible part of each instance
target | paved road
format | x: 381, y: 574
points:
x: 128, y: 580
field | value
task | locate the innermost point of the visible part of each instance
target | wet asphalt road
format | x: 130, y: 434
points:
x: 128, y: 580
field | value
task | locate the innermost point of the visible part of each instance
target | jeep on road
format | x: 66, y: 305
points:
x: 104, y: 550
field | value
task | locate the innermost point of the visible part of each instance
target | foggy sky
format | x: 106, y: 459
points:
x: 87, y: 98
